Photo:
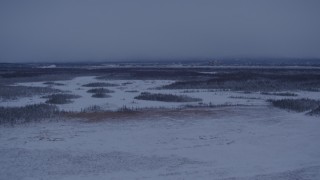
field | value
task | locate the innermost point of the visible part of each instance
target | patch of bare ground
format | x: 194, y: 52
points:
x: 185, y: 113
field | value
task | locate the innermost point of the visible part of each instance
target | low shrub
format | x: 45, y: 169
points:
x: 279, y: 94
x: 100, y: 95
x: 51, y: 83
x: 15, y: 92
x: 131, y: 91
x: 100, y: 84
x: 29, y: 113
x: 298, y: 105
x: 100, y: 90
x: 93, y: 108
x: 243, y: 97
x: 60, y: 98
x: 166, y: 97
x: 127, y: 109
x: 126, y: 83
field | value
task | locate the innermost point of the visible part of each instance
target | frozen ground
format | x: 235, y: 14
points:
x: 126, y: 91
x: 235, y: 143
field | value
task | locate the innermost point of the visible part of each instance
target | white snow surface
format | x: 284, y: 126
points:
x: 236, y: 143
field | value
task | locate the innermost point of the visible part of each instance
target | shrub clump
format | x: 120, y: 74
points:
x: 279, y: 94
x: 29, y: 113
x: 100, y: 95
x: 252, y: 80
x: 99, y: 84
x: 166, y: 97
x: 100, y: 90
x: 127, y: 109
x: 131, y: 91
x: 93, y: 108
x: 60, y: 98
x: 51, y: 83
x: 298, y: 105
x: 15, y: 92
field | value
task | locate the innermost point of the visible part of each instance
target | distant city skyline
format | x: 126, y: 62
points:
x: 120, y: 30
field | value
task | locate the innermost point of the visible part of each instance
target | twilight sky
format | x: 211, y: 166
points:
x: 71, y: 30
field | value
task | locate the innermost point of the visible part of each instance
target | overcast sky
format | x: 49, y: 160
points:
x: 60, y: 30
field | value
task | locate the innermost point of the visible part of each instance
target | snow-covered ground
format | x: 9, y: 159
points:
x: 249, y: 142
x: 234, y: 143
x: 126, y: 91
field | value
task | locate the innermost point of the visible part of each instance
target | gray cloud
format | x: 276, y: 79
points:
x: 61, y: 30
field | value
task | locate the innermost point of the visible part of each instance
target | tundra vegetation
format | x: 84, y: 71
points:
x: 253, y: 81
x: 279, y: 93
x: 29, y: 113
x: 52, y: 83
x: 243, y: 97
x: 60, y: 98
x: 166, y: 97
x: 100, y: 90
x: 15, y: 92
x: 271, y: 82
x: 100, y: 95
x: 298, y: 105
x: 131, y: 91
x: 100, y: 84
x: 93, y: 108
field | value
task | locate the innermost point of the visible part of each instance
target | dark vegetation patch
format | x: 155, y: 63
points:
x: 151, y: 74
x: 15, y: 92
x: 100, y: 95
x: 210, y: 105
x: 247, y: 92
x: 52, y: 83
x: 234, y: 78
x: 93, y: 108
x: 60, y: 98
x: 126, y: 83
x: 298, y: 105
x: 243, y: 97
x: 313, y: 89
x: 131, y: 91
x: 100, y: 84
x: 187, y: 112
x: 190, y: 91
x: 253, y: 80
x: 45, y: 77
x: 29, y: 113
x: 127, y: 109
x: 166, y: 97
x: 279, y: 93
x: 100, y: 90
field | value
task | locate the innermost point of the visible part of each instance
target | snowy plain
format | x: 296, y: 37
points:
x: 253, y: 141
x: 233, y: 143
